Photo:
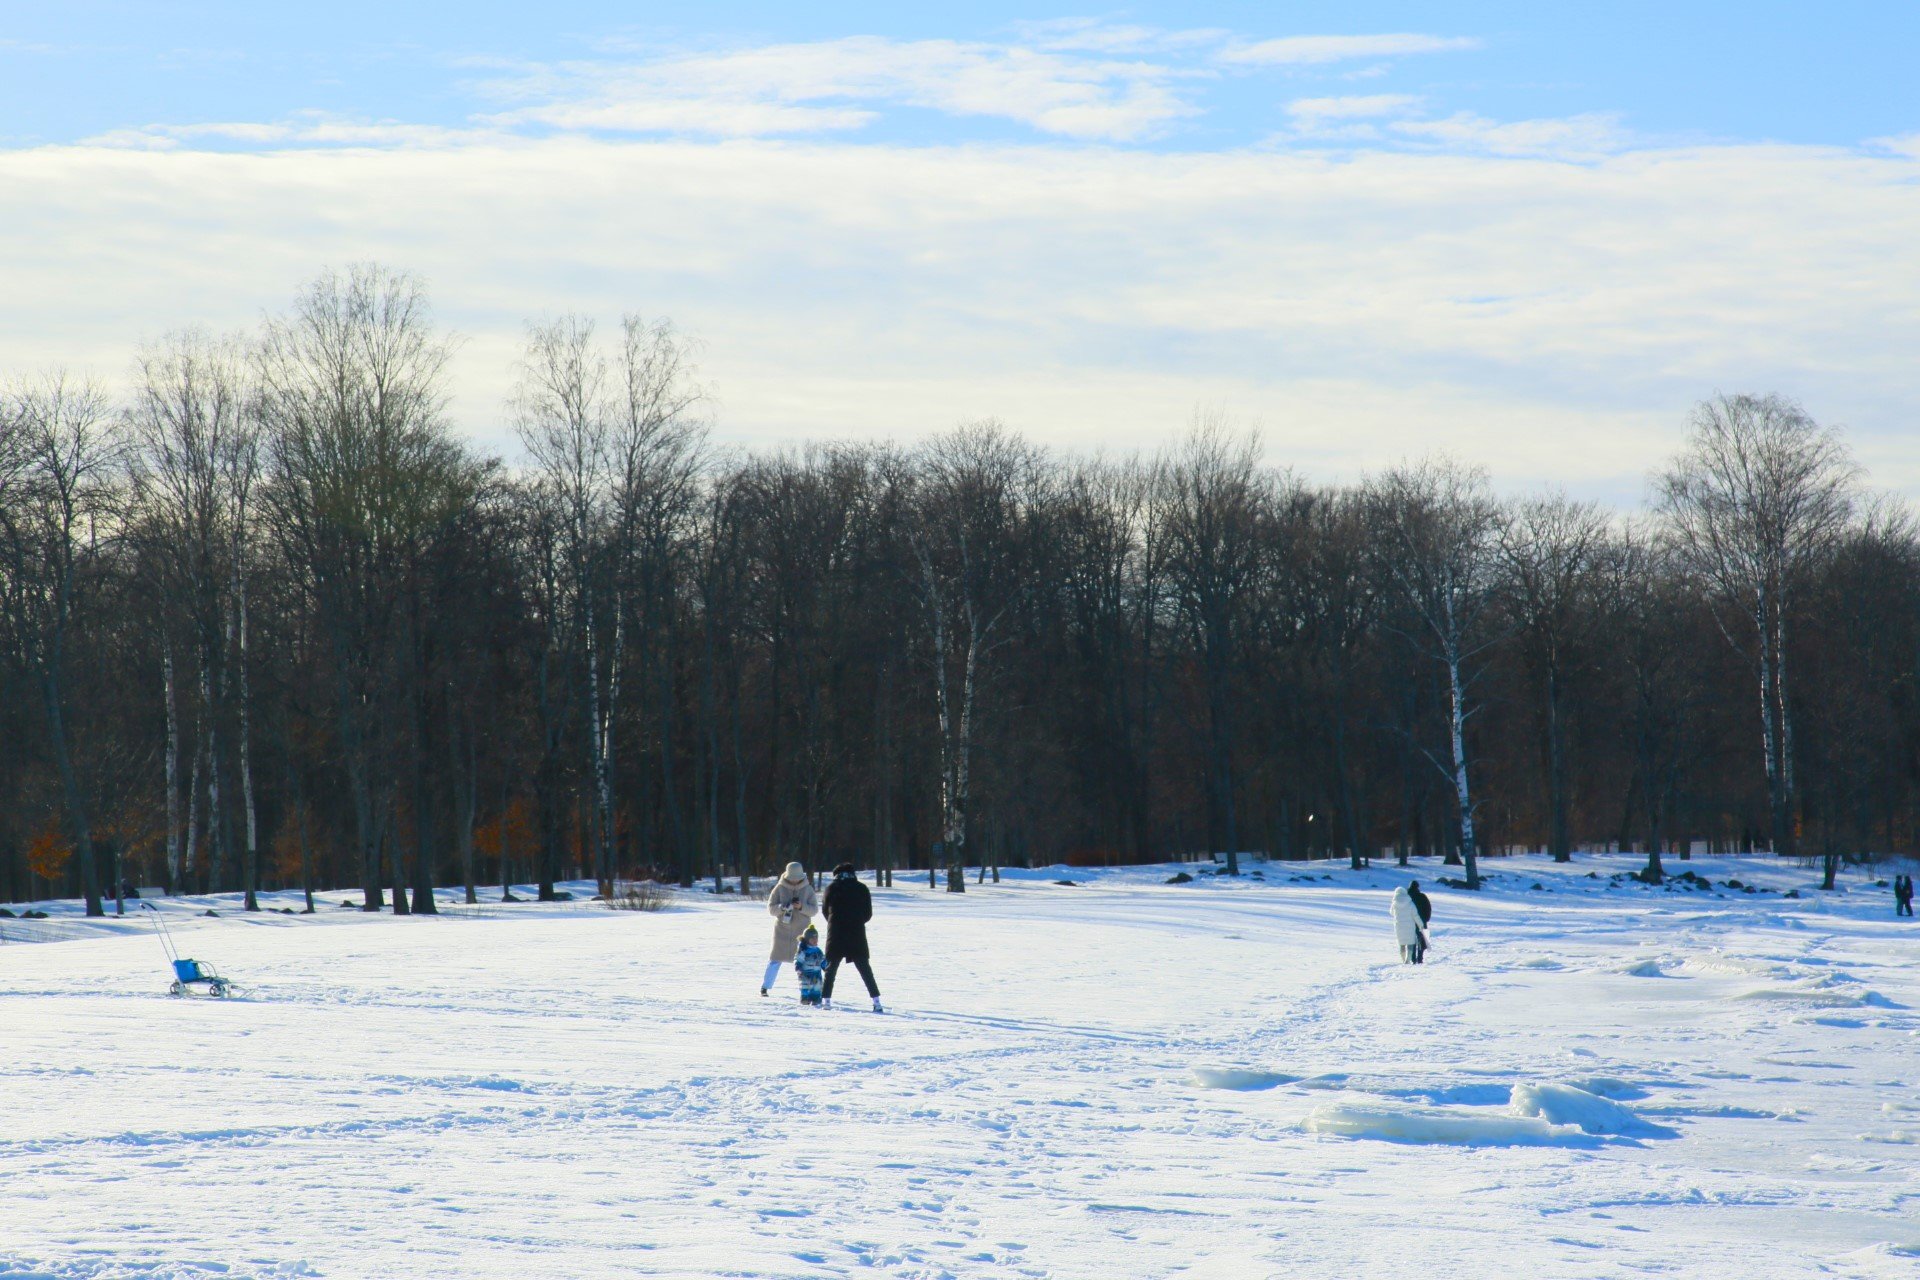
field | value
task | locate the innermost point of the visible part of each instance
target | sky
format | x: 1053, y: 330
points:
x: 1531, y: 236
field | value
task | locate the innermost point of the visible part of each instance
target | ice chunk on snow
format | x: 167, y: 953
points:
x: 1562, y: 1104
x: 1648, y: 968
x: 1458, y: 1126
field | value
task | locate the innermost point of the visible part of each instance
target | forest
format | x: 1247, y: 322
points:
x: 268, y: 619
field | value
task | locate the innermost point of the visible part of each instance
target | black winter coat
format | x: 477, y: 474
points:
x: 1423, y: 904
x: 847, y: 906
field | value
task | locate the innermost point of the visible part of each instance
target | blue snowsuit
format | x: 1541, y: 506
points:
x: 811, y: 962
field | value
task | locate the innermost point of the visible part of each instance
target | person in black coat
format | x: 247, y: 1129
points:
x: 1421, y: 903
x: 848, y: 906
x: 1903, y: 895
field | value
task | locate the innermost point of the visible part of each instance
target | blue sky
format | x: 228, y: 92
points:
x: 1792, y: 72
x: 1530, y: 234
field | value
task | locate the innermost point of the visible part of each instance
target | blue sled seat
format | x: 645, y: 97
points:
x: 187, y: 970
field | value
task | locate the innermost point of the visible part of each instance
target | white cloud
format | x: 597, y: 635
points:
x: 836, y: 84
x: 1314, y: 50
x: 1095, y: 35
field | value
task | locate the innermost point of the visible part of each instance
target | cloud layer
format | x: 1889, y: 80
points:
x: 1548, y: 318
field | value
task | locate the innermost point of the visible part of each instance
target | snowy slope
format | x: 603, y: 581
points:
x: 1117, y: 1078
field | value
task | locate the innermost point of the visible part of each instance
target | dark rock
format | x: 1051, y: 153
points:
x: 1069, y: 883
x: 1537, y: 885
x: 1179, y: 877
x: 1735, y: 884
x: 6, y: 913
x: 209, y: 912
x: 1791, y: 893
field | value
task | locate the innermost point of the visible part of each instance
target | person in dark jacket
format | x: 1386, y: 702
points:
x: 848, y: 906
x: 1421, y: 903
x: 1903, y: 895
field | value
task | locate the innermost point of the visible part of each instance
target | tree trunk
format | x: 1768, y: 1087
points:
x: 173, y: 762
x: 1557, y: 770
x: 222, y: 871
x: 77, y: 822
x: 251, y: 872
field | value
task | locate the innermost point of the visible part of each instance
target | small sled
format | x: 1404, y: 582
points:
x: 188, y: 974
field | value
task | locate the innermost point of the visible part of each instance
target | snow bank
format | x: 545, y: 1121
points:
x: 1535, y: 1115
x: 1455, y: 1126
x: 1239, y: 1078
x: 1608, y: 1087
x: 1648, y: 968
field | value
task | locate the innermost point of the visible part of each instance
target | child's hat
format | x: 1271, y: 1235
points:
x: 810, y: 932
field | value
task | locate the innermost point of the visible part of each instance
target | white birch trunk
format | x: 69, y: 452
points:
x: 1458, y: 724
x: 191, y: 858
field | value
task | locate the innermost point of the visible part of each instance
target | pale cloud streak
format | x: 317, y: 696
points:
x: 1317, y: 111
x: 839, y: 85
x: 1318, y: 50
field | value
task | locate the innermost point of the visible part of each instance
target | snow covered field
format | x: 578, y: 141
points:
x: 1118, y: 1078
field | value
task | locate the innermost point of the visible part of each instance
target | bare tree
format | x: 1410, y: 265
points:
x: 655, y: 450
x: 564, y: 419
x: 1757, y: 497
x: 194, y: 420
x: 966, y: 536
x: 1215, y: 497
x: 364, y: 475
x: 1440, y: 524
x: 1552, y: 550
x: 60, y: 459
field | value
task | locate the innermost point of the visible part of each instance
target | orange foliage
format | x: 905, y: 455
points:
x: 509, y: 834
x: 49, y: 853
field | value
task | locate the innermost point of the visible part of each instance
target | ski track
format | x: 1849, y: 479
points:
x: 574, y: 1092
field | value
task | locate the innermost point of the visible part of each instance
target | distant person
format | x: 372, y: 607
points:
x: 1407, y: 928
x: 810, y: 963
x: 793, y: 905
x: 1423, y: 904
x: 848, y: 906
x: 1903, y: 895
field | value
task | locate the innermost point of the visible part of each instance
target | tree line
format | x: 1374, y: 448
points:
x: 270, y: 621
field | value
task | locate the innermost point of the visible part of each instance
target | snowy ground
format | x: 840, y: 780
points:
x: 1117, y: 1078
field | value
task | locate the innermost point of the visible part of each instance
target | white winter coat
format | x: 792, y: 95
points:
x: 1406, y: 920
x: 793, y: 905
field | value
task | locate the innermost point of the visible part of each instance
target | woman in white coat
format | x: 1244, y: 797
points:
x: 1407, y: 929
x: 793, y: 905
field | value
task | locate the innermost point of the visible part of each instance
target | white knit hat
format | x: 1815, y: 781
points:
x: 796, y: 872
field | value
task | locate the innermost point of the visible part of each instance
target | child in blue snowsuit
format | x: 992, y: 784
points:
x: 811, y: 962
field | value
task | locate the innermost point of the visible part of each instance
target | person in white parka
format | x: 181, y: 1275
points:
x: 1407, y: 929
x: 793, y: 904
